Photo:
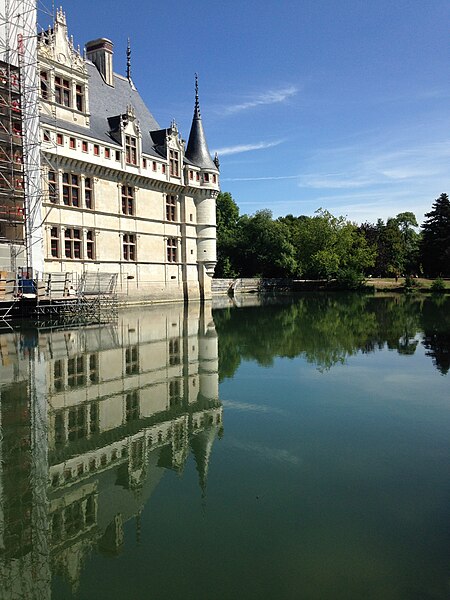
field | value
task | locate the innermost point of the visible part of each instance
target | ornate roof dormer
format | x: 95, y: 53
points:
x: 197, y: 149
x: 56, y: 46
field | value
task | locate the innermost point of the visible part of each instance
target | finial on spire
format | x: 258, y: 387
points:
x: 128, y: 60
x: 197, y: 103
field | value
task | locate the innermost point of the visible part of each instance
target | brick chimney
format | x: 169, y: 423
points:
x: 100, y: 52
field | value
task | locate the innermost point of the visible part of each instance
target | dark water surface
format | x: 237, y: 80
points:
x: 296, y: 450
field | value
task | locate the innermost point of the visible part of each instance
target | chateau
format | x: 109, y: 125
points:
x: 118, y: 193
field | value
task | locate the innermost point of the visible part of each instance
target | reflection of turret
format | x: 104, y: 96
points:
x: 208, y: 357
x: 201, y: 446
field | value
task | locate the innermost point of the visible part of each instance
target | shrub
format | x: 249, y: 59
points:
x: 350, y: 279
x: 438, y: 285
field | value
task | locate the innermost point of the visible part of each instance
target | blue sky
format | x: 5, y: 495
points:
x: 342, y: 104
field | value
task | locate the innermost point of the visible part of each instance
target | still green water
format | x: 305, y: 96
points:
x: 294, y: 450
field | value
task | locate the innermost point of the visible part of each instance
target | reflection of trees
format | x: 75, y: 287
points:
x: 436, y: 327
x: 325, y: 329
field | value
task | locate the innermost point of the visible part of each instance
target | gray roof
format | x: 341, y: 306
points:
x: 107, y: 102
x: 197, y: 149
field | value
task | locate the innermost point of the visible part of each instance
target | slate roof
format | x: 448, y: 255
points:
x: 107, y: 102
x: 197, y: 149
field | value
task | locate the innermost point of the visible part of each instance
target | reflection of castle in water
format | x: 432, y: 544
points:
x: 90, y: 420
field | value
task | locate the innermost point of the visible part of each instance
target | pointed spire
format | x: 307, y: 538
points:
x: 128, y: 60
x: 197, y: 149
x: 197, y: 103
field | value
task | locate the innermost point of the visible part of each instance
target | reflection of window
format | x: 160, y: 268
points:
x: 57, y: 527
x: 129, y: 246
x: 77, y: 423
x: 174, y: 392
x: 90, y: 511
x: 93, y: 418
x: 127, y: 200
x: 174, y: 351
x: 171, y: 208
x: 60, y: 436
x: 131, y: 360
x: 137, y: 454
x: 132, y: 406
x: 73, y: 519
x: 93, y: 367
x: 58, y: 368
x: 75, y: 372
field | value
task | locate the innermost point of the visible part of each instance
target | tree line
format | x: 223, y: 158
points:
x: 326, y: 329
x: 328, y: 247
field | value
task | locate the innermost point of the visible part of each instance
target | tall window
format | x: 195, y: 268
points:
x: 72, y: 243
x: 79, y: 97
x: 171, y: 208
x: 71, y: 190
x: 90, y: 245
x: 172, y: 246
x: 129, y: 246
x: 54, y: 242
x: 88, y: 192
x: 44, y: 84
x: 52, y: 188
x: 174, y: 163
x: 127, y: 200
x: 130, y: 150
x: 62, y: 91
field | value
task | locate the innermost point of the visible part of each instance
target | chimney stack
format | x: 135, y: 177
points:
x: 100, y: 52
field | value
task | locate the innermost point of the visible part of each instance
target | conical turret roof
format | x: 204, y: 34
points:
x: 197, y: 149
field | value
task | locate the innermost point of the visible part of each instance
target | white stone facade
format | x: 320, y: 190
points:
x: 118, y: 193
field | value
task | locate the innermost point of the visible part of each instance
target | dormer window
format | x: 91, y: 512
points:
x: 62, y: 91
x: 79, y: 97
x: 131, y: 150
x: 174, y: 163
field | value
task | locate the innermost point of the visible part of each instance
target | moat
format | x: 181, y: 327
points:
x: 284, y: 449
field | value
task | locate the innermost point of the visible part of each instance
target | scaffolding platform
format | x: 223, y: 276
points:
x: 59, y: 299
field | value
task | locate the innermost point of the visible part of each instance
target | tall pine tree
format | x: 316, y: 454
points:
x: 435, y: 247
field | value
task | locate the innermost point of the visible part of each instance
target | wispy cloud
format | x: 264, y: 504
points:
x: 227, y: 150
x: 269, y: 178
x: 270, y: 97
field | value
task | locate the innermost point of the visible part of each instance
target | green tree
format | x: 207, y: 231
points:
x: 328, y: 245
x: 264, y: 248
x: 435, y: 246
x: 406, y: 222
x: 227, y: 218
